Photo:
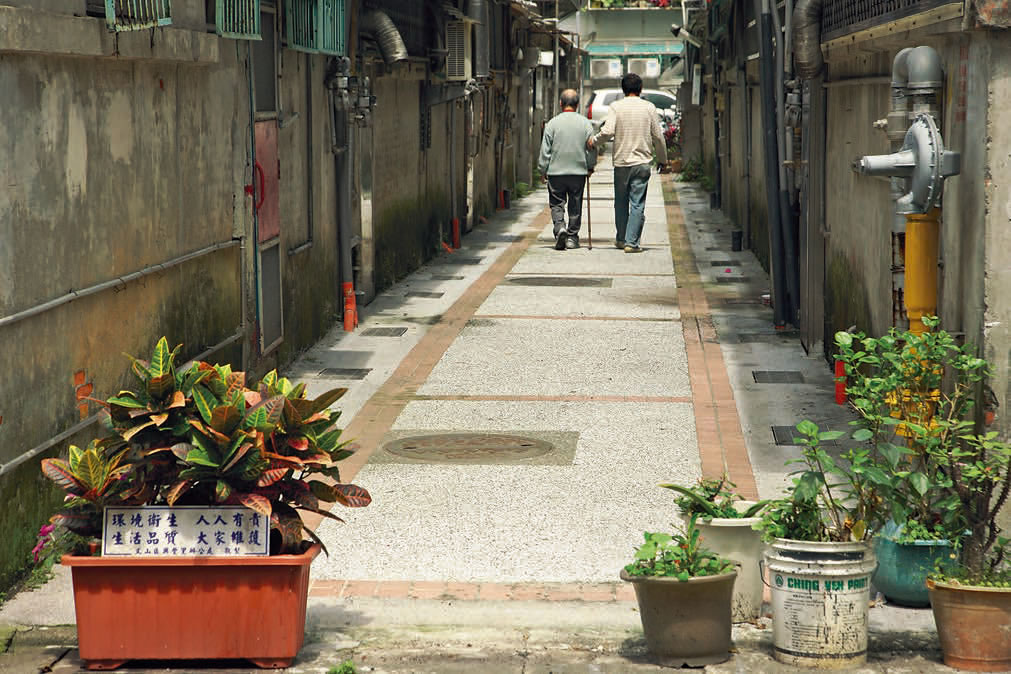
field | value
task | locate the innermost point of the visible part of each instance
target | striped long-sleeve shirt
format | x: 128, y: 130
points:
x: 635, y: 127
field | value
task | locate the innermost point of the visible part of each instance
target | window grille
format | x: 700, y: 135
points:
x: 315, y: 26
x: 122, y: 15
x: 237, y: 19
x: 842, y: 17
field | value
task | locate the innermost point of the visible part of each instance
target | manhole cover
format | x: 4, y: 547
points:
x: 472, y: 448
x: 562, y: 281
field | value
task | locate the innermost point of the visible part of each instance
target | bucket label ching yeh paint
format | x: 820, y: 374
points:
x: 802, y: 604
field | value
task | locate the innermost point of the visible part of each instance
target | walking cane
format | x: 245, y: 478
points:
x: 589, y: 223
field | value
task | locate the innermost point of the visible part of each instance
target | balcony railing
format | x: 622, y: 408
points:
x: 634, y: 4
x: 843, y: 17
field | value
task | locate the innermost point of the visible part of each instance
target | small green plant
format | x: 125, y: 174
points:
x: 712, y: 497
x: 346, y: 667
x: 521, y: 189
x: 831, y: 499
x: 678, y: 555
x: 707, y: 183
x: 692, y: 171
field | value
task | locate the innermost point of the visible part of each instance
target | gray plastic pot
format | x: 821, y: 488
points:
x: 686, y: 623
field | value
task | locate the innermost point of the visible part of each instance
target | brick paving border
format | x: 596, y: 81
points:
x: 717, y: 425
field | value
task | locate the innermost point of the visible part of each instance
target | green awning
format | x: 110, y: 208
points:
x: 634, y: 48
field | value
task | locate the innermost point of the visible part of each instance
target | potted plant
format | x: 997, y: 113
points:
x: 893, y: 383
x: 727, y: 524
x: 200, y: 436
x: 968, y: 475
x: 684, y: 593
x: 820, y: 560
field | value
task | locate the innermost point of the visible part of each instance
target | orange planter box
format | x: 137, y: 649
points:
x: 190, y: 608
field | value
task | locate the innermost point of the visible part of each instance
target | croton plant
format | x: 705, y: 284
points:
x: 204, y: 435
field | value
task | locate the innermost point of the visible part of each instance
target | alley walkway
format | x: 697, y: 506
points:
x: 582, y: 379
x: 582, y: 353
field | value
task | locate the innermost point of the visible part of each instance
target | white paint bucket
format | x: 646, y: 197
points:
x: 820, y: 597
x: 735, y: 539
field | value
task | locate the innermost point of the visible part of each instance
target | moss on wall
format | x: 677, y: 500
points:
x: 407, y: 234
x: 846, y: 300
x: 28, y: 500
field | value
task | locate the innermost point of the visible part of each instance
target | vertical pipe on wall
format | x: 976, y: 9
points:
x: 770, y: 154
x: 788, y: 222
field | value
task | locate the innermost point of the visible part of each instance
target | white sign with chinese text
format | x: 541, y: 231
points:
x: 184, y: 531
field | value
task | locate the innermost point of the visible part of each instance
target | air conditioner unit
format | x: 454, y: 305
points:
x: 644, y: 67
x: 605, y: 68
x: 458, y: 61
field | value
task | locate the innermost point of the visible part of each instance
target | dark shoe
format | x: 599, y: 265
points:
x: 619, y: 244
x: 560, y: 240
x: 571, y: 242
x: 633, y: 249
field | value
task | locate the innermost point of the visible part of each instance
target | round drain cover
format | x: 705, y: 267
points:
x: 561, y: 281
x: 467, y: 447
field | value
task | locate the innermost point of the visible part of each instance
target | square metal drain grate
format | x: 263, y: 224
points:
x: 777, y: 377
x: 562, y: 281
x: 784, y: 435
x: 383, y: 332
x: 345, y: 372
x: 462, y: 260
x: 724, y: 263
x: 733, y: 279
x: 446, y: 277
x: 424, y: 293
x: 767, y: 337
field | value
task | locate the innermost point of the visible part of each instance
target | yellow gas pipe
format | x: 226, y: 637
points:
x: 922, y: 234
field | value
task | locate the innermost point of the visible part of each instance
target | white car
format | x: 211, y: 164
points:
x: 601, y: 99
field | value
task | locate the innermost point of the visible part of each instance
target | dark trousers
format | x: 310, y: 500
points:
x: 560, y: 190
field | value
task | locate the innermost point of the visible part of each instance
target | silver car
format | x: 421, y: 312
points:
x: 601, y: 99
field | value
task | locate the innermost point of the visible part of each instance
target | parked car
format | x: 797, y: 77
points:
x: 601, y: 99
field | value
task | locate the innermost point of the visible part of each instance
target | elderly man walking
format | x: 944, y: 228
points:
x: 565, y: 161
x: 634, y: 125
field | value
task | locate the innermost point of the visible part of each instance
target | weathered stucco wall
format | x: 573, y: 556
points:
x: 110, y: 166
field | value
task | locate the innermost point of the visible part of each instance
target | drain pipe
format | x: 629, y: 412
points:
x: 787, y: 221
x: 382, y: 29
x: 769, y: 151
x: 336, y: 84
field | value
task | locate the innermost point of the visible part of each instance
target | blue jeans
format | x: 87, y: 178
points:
x: 630, y: 184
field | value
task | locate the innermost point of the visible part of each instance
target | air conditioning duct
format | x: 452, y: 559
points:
x: 477, y: 11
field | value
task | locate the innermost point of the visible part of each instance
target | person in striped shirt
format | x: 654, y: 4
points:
x: 634, y: 125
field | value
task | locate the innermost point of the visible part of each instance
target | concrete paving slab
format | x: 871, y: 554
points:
x: 539, y: 357
x: 518, y: 523
x: 628, y: 297
x: 602, y: 260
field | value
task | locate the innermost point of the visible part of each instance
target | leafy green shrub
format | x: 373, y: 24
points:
x: 678, y: 555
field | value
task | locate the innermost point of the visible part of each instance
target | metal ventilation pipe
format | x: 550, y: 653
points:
x: 807, y: 38
x: 478, y: 11
x: 382, y: 29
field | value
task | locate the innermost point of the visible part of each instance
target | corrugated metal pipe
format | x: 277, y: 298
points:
x: 478, y: 11
x: 382, y: 29
x: 807, y: 38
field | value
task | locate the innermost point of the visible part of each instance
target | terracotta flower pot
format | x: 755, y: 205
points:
x: 190, y: 608
x: 685, y: 622
x: 973, y: 624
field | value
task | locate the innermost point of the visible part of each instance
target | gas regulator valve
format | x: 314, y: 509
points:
x: 923, y: 159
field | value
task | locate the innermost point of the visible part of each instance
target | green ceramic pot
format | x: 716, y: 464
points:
x: 903, y: 569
